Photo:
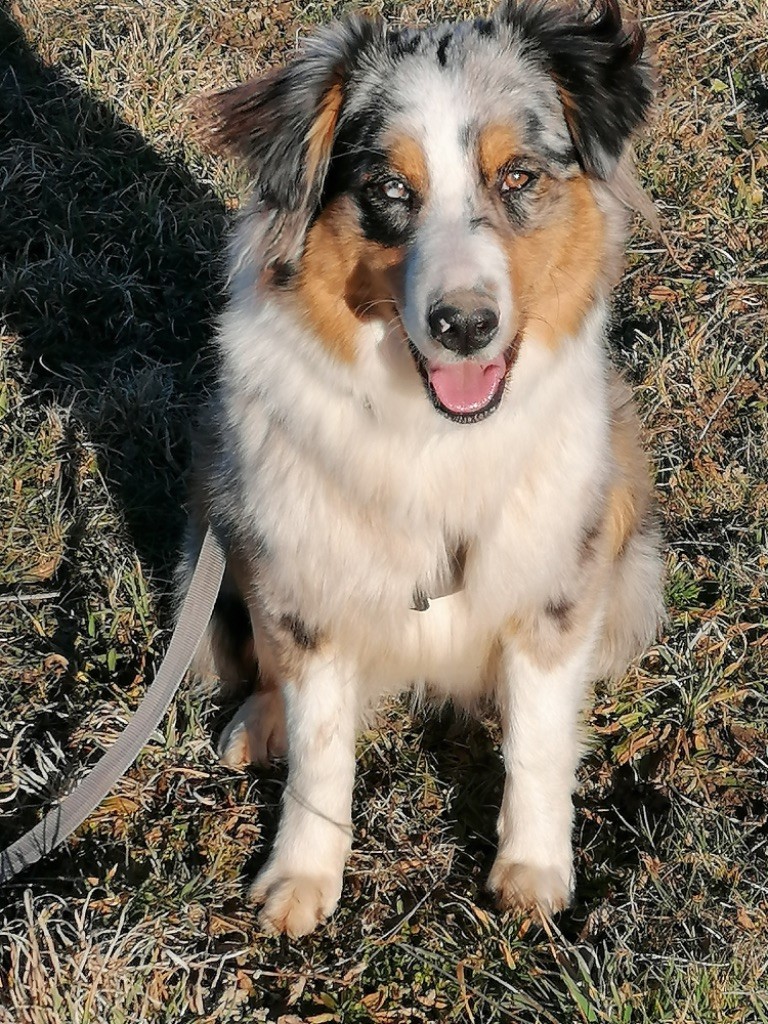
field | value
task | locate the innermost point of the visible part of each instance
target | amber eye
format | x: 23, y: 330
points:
x: 395, y: 190
x: 515, y: 180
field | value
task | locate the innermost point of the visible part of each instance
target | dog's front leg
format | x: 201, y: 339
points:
x: 541, y: 701
x: 301, y: 883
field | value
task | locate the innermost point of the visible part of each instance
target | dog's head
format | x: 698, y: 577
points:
x: 447, y: 178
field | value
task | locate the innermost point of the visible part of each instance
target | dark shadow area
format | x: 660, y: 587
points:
x: 111, y: 279
x: 611, y: 826
x: 629, y: 818
x: 465, y: 756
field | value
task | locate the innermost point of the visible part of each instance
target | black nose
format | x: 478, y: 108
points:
x: 464, y: 322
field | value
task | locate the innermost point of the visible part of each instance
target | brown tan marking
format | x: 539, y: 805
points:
x: 497, y: 145
x: 320, y: 137
x: 344, y: 278
x: 406, y: 157
x: 630, y: 498
x: 558, y: 268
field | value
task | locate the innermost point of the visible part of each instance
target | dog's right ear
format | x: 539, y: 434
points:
x: 283, y: 123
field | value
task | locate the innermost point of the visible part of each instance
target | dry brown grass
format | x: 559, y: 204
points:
x: 112, y: 225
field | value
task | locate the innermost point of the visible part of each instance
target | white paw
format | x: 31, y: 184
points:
x: 294, y: 904
x: 542, y: 890
x: 256, y: 735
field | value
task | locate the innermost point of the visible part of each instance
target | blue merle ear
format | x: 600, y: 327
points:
x: 600, y: 68
x: 283, y: 124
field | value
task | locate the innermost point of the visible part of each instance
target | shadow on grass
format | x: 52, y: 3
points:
x: 614, y: 828
x: 110, y: 281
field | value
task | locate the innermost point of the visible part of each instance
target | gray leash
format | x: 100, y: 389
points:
x: 62, y: 821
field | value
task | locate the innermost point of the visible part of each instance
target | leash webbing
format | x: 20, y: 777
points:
x: 61, y: 821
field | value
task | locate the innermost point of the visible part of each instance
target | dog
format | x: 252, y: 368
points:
x: 424, y: 469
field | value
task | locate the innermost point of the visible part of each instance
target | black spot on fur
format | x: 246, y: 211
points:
x: 404, y: 42
x: 517, y: 206
x: 598, y: 64
x: 563, y: 158
x: 359, y: 168
x: 561, y: 612
x: 589, y: 539
x: 283, y: 273
x: 389, y: 225
x: 359, y: 131
x: 302, y: 634
x: 485, y: 27
x: 442, y: 49
x: 534, y: 132
x: 475, y: 223
x: 355, y: 151
x: 420, y: 601
x: 587, y: 546
x: 534, y: 126
x: 467, y: 134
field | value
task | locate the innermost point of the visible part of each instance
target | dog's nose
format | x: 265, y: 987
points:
x: 464, y: 322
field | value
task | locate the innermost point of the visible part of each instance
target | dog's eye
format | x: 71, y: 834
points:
x: 515, y: 180
x: 395, y: 189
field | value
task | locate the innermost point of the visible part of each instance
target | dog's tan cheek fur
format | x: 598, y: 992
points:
x: 344, y: 279
x: 557, y: 268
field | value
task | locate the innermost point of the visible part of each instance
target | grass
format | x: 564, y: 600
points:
x: 113, y: 223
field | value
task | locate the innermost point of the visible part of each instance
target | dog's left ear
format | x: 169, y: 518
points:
x: 599, y: 65
x: 283, y: 124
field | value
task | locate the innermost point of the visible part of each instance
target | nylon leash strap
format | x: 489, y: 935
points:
x: 61, y: 821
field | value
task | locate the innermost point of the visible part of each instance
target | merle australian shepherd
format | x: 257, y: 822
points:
x: 426, y: 472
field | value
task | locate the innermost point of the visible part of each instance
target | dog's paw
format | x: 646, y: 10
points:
x: 542, y: 891
x: 294, y: 904
x: 256, y: 735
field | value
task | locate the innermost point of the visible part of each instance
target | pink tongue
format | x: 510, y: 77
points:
x: 467, y: 386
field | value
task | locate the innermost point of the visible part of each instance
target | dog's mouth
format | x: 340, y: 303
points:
x: 467, y: 391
